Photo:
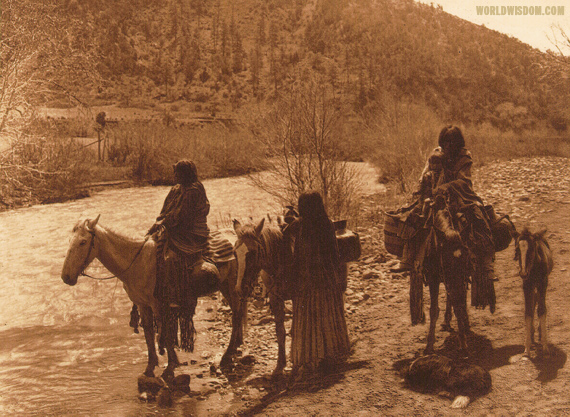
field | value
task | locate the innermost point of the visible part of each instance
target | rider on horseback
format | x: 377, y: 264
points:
x: 447, y: 178
x: 181, y: 230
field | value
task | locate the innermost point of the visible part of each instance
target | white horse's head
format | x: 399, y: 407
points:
x: 247, y: 243
x: 80, y: 252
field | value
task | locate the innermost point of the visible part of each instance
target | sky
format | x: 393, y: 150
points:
x: 531, y: 29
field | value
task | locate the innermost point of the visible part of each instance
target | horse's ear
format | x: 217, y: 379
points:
x: 237, y: 225
x: 92, y: 223
x: 259, y: 227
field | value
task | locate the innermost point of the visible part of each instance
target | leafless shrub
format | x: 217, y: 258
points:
x: 42, y: 169
x: 151, y: 149
x: 303, y: 138
x: 401, y: 136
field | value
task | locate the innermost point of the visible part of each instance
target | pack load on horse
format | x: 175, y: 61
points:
x: 448, y: 235
x: 267, y: 250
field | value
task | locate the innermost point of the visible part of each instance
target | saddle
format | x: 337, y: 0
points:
x: 197, y: 276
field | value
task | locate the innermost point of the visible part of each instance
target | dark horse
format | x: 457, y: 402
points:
x: 133, y: 261
x: 446, y: 260
x: 535, y: 264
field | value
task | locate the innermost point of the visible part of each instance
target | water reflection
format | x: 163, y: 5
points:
x: 68, y: 350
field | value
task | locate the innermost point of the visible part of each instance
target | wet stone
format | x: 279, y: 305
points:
x: 150, y: 384
x: 164, y: 398
x: 181, y: 383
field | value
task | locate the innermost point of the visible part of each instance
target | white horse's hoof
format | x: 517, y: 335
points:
x: 460, y: 401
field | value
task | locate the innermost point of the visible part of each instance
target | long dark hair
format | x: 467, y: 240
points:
x: 454, y: 136
x: 186, y: 171
x: 318, y: 230
x: 312, y: 207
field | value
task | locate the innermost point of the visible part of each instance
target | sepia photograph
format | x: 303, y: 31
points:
x: 284, y: 208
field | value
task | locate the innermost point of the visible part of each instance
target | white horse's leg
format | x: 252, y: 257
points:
x: 148, y: 328
x: 173, y: 362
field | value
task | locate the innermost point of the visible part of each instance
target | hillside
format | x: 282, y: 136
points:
x: 218, y: 55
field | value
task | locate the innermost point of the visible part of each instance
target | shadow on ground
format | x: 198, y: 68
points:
x: 482, y: 353
x: 281, y: 388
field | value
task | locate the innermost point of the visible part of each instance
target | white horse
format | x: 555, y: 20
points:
x: 133, y: 261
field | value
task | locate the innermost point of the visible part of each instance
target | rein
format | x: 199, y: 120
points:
x: 92, y: 245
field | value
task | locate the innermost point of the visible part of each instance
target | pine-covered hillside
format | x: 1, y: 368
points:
x: 217, y: 55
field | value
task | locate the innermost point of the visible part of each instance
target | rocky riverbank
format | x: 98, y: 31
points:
x: 534, y: 192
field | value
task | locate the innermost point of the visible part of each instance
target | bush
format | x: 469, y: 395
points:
x: 230, y: 152
x: 400, y: 137
x: 43, y: 169
x: 151, y: 150
x: 488, y: 143
x: 303, y: 135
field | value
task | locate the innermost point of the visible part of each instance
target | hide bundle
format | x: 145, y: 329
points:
x: 433, y: 373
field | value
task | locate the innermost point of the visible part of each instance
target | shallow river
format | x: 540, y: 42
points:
x: 68, y: 350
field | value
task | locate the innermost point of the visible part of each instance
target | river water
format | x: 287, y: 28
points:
x: 68, y: 350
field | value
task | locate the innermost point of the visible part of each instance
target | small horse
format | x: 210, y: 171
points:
x: 535, y: 264
x: 133, y: 261
x: 447, y: 260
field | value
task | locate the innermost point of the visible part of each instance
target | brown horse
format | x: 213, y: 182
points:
x: 133, y: 261
x: 535, y: 264
x: 446, y: 260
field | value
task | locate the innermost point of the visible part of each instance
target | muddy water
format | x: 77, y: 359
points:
x: 68, y: 350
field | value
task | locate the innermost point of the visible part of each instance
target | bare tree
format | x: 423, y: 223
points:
x: 44, y: 52
x: 303, y: 138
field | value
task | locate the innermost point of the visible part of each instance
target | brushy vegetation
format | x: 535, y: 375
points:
x: 47, y: 164
x: 399, y: 137
x: 42, y: 169
x: 304, y: 137
x: 150, y: 149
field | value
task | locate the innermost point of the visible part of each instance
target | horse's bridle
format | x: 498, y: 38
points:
x: 256, y: 255
x: 91, y: 246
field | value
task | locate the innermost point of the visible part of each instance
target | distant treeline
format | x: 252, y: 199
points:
x: 222, y: 54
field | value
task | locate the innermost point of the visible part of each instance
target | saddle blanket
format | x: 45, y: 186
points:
x: 220, y: 248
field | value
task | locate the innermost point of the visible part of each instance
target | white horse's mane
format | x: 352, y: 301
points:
x: 112, y: 232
